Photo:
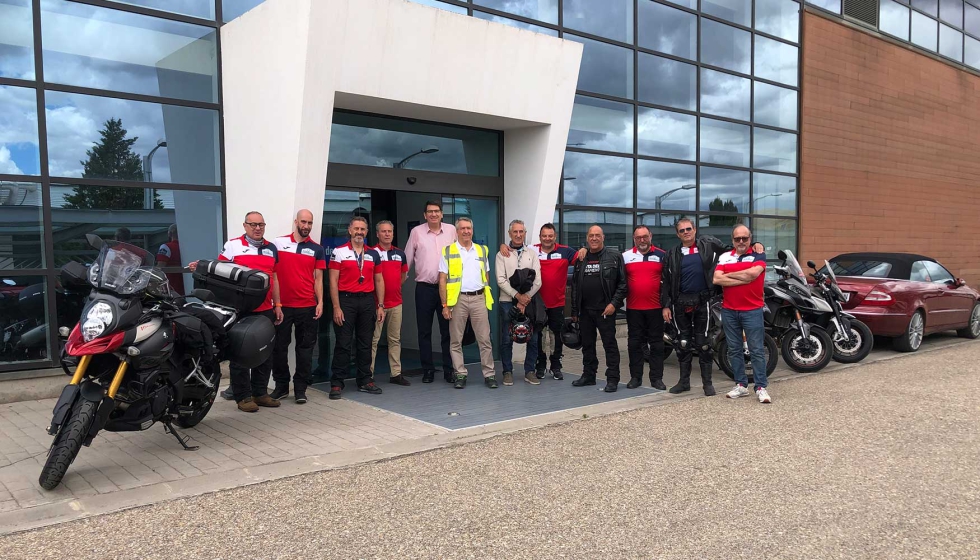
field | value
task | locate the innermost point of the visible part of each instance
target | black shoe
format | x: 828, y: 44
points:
x: 539, y: 373
x: 370, y: 388
x: 678, y: 389
x: 634, y: 383
x: 557, y: 374
x: 658, y: 384
x: 280, y: 392
x: 400, y: 380
x: 460, y: 382
x: 611, y: 387
x: 429, y: 376
x: 334, y: 392
x: 228, y: 394
x: 709, y: 390
x: 583, y: 381
x: 490, y: 382
x: 449, y: 376
x: 300, y: 397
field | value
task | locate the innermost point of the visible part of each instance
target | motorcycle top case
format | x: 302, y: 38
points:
x: 250, y: 341
x: 233, y: 285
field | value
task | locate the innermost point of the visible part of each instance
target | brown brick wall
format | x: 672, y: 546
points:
x: 890, y: 151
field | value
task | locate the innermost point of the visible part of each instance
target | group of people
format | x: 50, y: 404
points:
x: 453, y: 284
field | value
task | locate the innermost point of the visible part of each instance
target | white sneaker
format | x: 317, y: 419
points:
x: 763, y: 395
x: 738, y: 391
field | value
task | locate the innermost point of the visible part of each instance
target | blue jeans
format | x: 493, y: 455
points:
x: 735, y: 322
x: 507, y: 343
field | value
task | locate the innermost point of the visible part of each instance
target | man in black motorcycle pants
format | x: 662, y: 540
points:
x: 686, y: 290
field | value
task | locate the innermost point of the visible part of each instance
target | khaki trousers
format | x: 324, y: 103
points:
x: 393, y: 317
x: 473, y: 308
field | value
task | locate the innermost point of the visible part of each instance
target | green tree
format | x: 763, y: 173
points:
x: 719, y: 205
x: 111, y: 158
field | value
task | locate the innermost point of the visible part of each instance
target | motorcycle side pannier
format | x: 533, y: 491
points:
x: 233, y: 284
x: 250, y: 341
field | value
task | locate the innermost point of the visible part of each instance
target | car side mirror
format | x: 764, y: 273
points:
x: 959, y: 282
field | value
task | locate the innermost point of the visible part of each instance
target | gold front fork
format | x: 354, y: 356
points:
x: 118, y: 378
x: 80, y: 370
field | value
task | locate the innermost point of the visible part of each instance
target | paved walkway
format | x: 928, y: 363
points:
x: 128, y: 469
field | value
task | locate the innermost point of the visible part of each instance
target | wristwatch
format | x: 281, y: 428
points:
x: 381, y: 306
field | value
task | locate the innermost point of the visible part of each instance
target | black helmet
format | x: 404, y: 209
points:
x: 520, y: 328
x: 571, y: 335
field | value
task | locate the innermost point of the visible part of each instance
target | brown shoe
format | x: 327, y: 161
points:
x: 248, y: 405
x: 508, y: 378
x: 267, y: 401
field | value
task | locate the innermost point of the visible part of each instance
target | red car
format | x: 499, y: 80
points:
x: 906, y: 296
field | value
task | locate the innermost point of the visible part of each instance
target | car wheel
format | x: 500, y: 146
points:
x: 972, y: 330
x: 912, y: 339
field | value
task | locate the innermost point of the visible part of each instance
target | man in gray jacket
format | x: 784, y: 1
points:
x: 521, y: 257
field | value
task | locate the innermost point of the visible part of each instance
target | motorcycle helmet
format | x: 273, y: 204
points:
x: 520, y: 329
x: 571, y: 335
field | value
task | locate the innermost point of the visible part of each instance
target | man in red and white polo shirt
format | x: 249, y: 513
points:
x: 644, y: 320
x: 357, y: 291
x: 300, y: 272
x: 741, y: 274
x: 253, y: 251
x: 394, y: 270
x: 555, y: 259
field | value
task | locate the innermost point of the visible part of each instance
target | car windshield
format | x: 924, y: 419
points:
x: 123, y: 269
x: 861, y: 267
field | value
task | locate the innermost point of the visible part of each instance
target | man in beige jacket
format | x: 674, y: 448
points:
x: 521, y: 257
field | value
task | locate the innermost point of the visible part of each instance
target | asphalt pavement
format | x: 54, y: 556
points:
x: 876, y: 461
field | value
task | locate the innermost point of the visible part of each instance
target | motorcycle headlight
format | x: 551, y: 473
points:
x: 99, y: 317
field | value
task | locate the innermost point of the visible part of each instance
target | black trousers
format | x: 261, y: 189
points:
x: 591, y: 321
x: 427, y: 303
x: 302, y: 318
x: 692, y: 326
x: 252, y: 382
x: 360, y: 315
x: 556, y: 319
x: 645, y: 326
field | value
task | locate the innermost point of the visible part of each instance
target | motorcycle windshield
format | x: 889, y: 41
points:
x: 122, y: 268
x: 830, y: 270
x: 794, y: 268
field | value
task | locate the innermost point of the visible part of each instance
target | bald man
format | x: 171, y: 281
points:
x: 300, y: 269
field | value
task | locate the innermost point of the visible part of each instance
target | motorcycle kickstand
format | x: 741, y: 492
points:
x: 168, y: 427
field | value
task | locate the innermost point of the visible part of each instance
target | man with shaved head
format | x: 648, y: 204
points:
x: 300, y: 269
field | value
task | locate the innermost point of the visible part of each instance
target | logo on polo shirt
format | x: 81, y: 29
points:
x: 307, y: 252
x: 748, y: 259
x: 267, y: 252
x: 555, y: 256
x: 396, y: 258
x: 655, y: 258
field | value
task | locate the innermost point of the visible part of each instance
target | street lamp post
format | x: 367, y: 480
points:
x: 429, y: 150
x: 755, y: 200
x: 148, y: 173
x: 660, y: 199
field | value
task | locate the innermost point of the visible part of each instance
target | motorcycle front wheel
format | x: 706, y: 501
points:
x: 857, y: 347
x: 67, y: 443
x: 806, y: 355
x: 772, y: 358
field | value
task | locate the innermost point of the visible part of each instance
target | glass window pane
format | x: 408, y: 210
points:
x: 669, y: 186
x: 23, y: 318
x: 541, y: 10
x: 102, y: 138
x: 21, y: 239
x: 387, y: 142
x: 663, y: 227
x: 775, y: 106
x: 601, y: 125
x: 693, y: 4
x: 725, y: 46
x: 971, y: 55
x: 776, y: 61
x: 724, y: 143
x: 19, y: 153
x: 102, y: 48
x: 775, y: 234
x: 441, y: 6
x: 514, y: 23
x: 198, y: 8
x: 778, y: 17
x: 951, y: 11
x: 609, y: 18
x: 773, y: 194
x: 775, y: 151
x: 725, y: 95
x: 617, y: 227
x: 736, y: 11
x: 594, y: 180
x: 720, y: 226
x: 16, y: 40
x: 894, y: 19
x: 972, y: 20
x: 231, y: 9
x: 829, y: 5
x: 667, y: 134
x: 605, y: 68
x: 724, y: 190
x: 668, y: 30
x: 667, y: 82
x: 925, y: 32
x: 930, y: 7
x: 950, y: 43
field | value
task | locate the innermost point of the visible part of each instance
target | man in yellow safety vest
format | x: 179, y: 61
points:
x: 465, y: 295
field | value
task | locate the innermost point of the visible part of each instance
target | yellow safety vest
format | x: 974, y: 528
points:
x: 454, y: 280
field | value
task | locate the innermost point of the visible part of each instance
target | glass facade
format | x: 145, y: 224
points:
x: 949, y: 28
x: 109, y: 124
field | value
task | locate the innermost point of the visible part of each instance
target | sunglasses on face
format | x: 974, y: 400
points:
x: 685, y: 230
x: 741, y: 239
x: 255, y: 224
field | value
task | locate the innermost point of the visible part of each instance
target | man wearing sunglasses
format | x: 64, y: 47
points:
x: 686, y: 289
x: 741, y: 274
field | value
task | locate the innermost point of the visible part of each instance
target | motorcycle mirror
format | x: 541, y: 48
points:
x: 94, y: 240
x: 811, y: 264
x: 781, y: 255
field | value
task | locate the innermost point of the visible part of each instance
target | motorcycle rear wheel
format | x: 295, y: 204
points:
x: 772, y: 358
x: 857, y: 348
x: 67, y: 443
x: 807, y: 356
x: 201, y: 407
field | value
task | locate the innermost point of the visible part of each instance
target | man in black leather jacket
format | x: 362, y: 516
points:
x: 598, y: 290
